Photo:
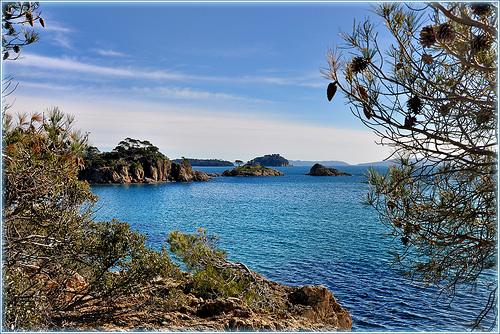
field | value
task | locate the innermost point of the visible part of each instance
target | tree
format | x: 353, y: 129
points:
x: 18, y: 13
x: 238, y: 162
x: 55, y: 257
x: 432, y: 96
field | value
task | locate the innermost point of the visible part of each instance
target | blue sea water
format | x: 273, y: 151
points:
x: 297, y: 229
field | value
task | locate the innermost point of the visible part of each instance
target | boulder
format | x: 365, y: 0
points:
x: 317, y: 303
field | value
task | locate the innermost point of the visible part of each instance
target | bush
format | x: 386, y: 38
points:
x: 213, y: 274
x: 56, y: 258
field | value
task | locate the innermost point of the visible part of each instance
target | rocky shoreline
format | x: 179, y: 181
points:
x: 148, y: 171
x: 306, y: 308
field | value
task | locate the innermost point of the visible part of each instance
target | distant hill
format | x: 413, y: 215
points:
x: 206, y: 162
x: 273, y: 160
x: 324, y: 163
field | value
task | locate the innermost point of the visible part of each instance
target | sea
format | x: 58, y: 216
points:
x: 299, y: 230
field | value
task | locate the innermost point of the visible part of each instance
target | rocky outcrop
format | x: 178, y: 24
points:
x: 318, y: 304
x: 145, y: 171
x: 252, y: 170
x: 306, y: 308
x: 320, y: 170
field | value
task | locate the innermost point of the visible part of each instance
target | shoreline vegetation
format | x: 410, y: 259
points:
x: 63, y: 270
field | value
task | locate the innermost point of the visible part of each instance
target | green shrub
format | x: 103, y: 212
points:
x: 50, y: 239
x: 213, y: 274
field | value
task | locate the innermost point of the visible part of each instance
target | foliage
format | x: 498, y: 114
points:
x: 56, y: 257
x: 270, y: 160
x: 205, y: 162
x: 129, y: 152
x: 131, y: 149
x: 432, y: 96
x: 249, y: 168
x: 18, y: 13
x: 214, y: 275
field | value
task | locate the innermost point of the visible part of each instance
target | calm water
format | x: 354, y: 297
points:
x: 296, y: 230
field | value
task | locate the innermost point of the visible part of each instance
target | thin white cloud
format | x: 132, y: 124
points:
x: 109, y: 53
x: 72, y: 65
x: 188, y: 93
x: 202, y: 133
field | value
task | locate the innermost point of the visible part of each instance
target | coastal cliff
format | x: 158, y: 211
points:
x: 135, y: 161
x: 146, y: 171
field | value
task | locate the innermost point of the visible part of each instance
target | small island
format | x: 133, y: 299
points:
x: 206, y: 162
x: 135, y: 161
x: 320, y: 170
x: 272, y: 160
x: 252, y: 170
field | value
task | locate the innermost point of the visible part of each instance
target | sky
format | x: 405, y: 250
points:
x: 206, y: 80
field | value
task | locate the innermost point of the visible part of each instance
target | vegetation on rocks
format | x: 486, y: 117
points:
x: 136, y: 161
x: 206, y: 162
x: 273, y: 160
x: 64, y: 271
x: 252, y: 170
x: 56, y: 258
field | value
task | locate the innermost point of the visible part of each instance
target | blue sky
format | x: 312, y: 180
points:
x: 202, y: 80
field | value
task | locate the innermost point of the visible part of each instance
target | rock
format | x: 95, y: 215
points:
x: 320, y: 170
x: 317, y: 303
x: 224, y: 305
x: 147, y: 171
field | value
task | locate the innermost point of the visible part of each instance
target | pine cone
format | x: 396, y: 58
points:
x: 444, y: 109
x: 6, y: 55
x: 359, y: 64
x: 363, y: 94
x: 414, y: 104
x: 29, y: 17
x: 405, y: 240
x: 481, y: 43
x: 427, y: 36
x: 445, y: 32
x: 480, y: 9
x: 367, y: 110
x: 330, y: 91
x: 42, y: 22
x: 410, y: 121
x: 399, y: 66
x: 16, y: 48
x: 427, y: 59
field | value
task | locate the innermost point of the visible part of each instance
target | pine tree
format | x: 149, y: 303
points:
x: 432, y: 96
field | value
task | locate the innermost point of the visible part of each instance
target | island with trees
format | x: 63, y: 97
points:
x: 206, y: 162
x: 271, y: 160
x: 252, y: 170
x: 135, y: 161
x: 65, y: 271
